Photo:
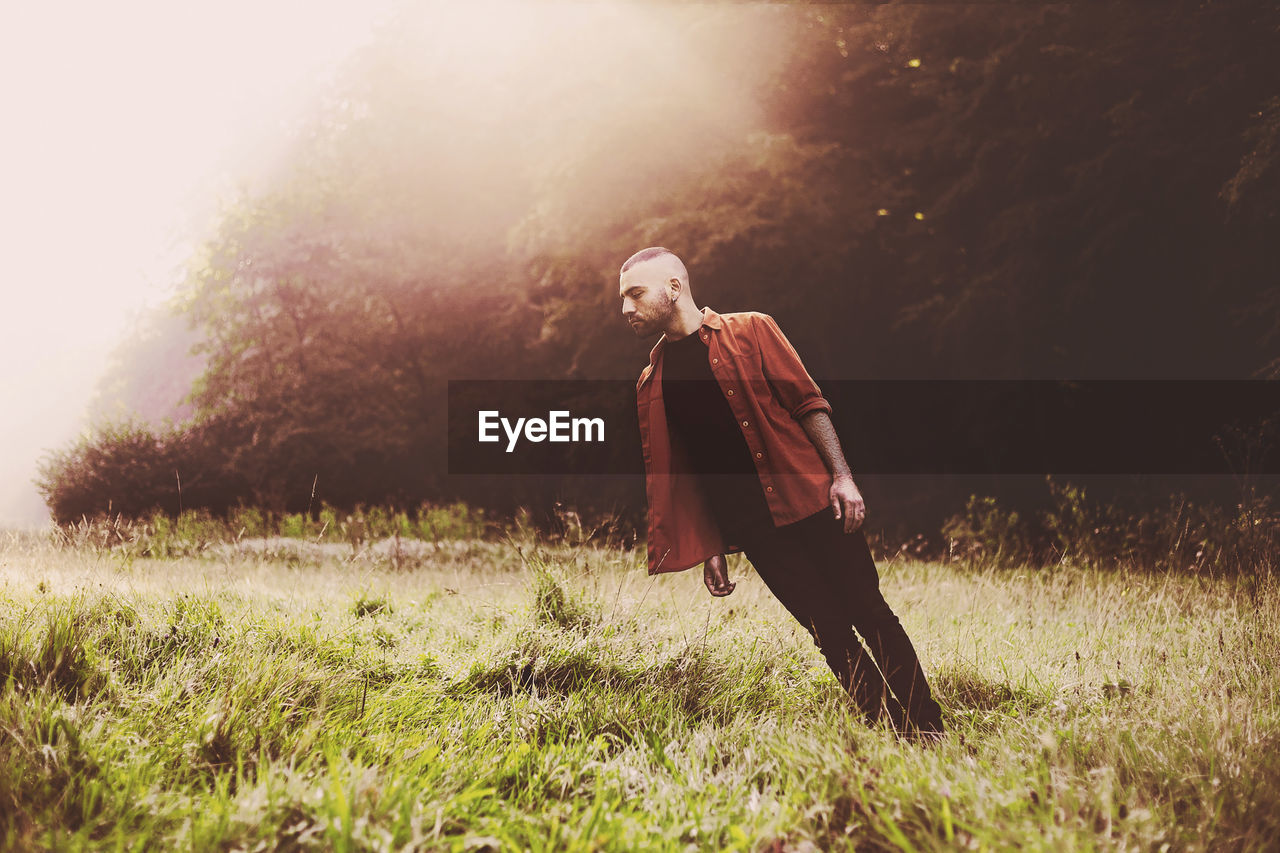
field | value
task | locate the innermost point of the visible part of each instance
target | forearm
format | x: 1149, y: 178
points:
x: 818, y: 426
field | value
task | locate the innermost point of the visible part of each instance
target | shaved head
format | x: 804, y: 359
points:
x: 660, y: 260
x: 654, y: 287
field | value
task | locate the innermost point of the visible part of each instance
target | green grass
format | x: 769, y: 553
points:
x: 520, y: 696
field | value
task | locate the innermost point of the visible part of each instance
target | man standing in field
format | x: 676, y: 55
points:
x: 740, y: 455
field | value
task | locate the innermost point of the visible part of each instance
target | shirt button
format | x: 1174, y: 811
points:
x: 768, y: 488
x: 759, y: 455
x: 744, y: 423
x: 704, y: 337
x: 730, y: 392
x: 715, y: 361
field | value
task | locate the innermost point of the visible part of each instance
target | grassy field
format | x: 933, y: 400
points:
x: 520, y: 695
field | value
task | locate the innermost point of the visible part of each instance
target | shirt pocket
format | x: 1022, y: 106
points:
x: 739, y: 348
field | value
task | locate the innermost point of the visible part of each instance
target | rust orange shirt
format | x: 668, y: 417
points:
x: 768, y: 390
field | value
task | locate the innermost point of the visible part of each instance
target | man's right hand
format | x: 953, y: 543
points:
x: 715, y: 574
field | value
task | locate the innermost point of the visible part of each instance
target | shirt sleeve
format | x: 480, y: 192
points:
x: 791, y: 383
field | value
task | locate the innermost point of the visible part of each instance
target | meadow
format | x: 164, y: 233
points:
x: 514, y: 693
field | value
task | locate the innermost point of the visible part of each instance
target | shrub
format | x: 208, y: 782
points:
x: 133, y: 470
x: 986, y: 534
x: 127, y: 468
x: 1182, y: 536
x: 454, y: 521
x: 250, y: 521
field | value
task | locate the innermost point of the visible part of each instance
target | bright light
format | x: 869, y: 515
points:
x: 121, y: 120
x: 126, y: 124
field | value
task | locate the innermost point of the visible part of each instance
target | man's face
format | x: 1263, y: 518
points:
x: 646, y: 299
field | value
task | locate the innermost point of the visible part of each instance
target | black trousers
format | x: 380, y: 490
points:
x: 827, y: 579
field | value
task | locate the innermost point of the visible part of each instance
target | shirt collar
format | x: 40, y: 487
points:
x: 710, y: 319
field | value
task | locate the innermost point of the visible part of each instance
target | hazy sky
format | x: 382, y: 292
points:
x: 122, y: 124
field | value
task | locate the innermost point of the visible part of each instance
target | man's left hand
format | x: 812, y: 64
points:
x: 846, y: 503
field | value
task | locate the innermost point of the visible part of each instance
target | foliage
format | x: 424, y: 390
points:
x: 986, y: 535
x: 1084, y: 532
x: 132, y: 469
x: 966, y: 190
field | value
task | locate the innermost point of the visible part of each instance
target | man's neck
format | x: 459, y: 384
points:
x: 685, y: 323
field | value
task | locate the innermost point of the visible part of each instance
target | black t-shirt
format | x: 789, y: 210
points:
x: 700, y: 418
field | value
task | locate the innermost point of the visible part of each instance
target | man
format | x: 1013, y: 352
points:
x: 740, y: 455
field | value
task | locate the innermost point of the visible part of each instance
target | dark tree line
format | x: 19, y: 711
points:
x: 914, y: 191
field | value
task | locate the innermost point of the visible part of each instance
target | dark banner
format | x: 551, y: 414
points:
x: 902, y: 427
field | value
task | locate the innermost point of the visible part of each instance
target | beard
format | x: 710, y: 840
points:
x: 647, y: 326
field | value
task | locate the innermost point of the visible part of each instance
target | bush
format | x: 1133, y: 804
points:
x: 251, y: 522
x: 985, y: 534
x: 455, y: 521
x: 127, y: 468
x: 1076, y: 530
x: 133, y: 470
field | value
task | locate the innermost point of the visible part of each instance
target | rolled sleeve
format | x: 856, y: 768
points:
x: 811, y: 405
x: 785, y: 372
